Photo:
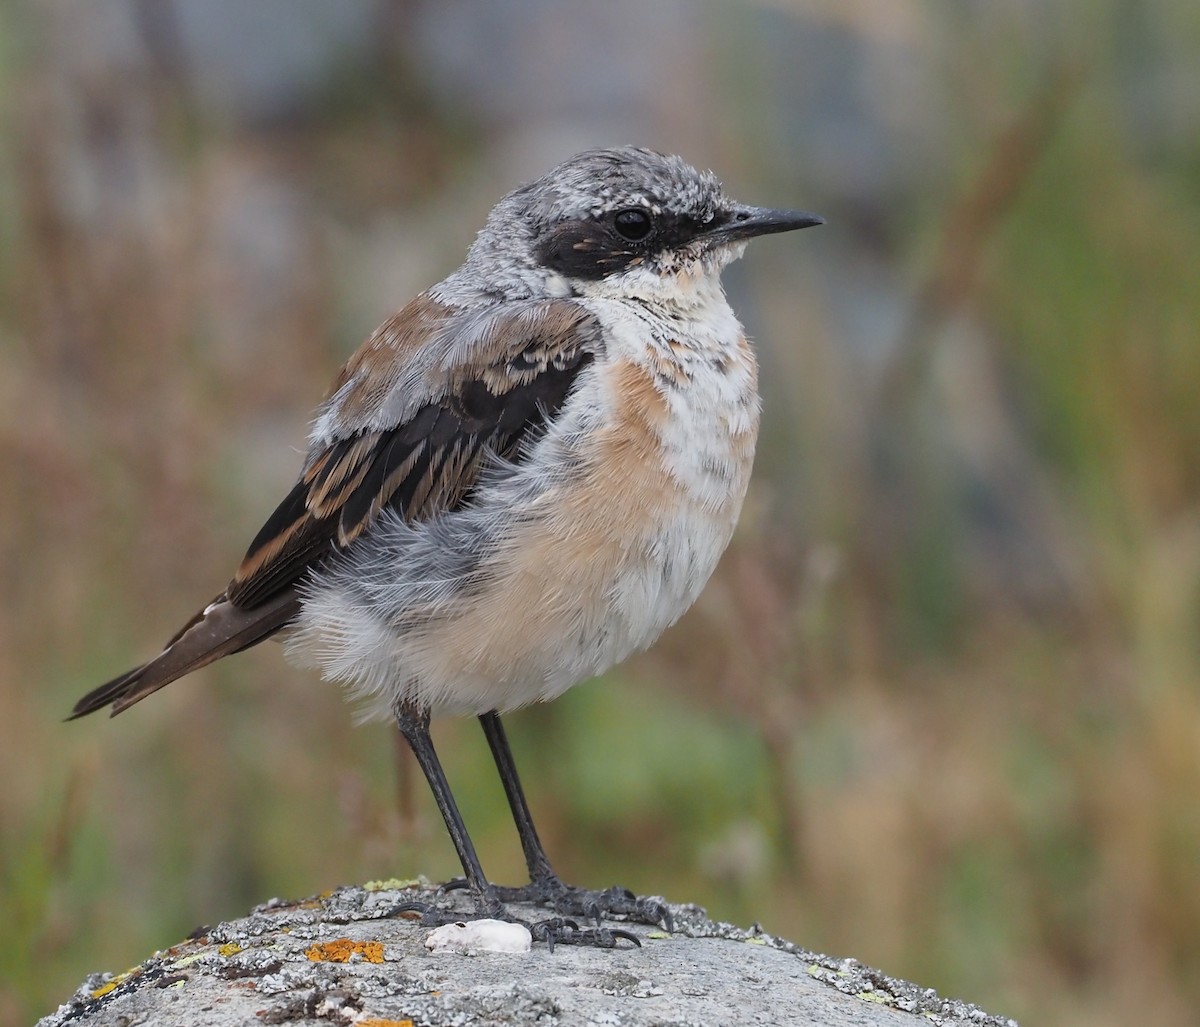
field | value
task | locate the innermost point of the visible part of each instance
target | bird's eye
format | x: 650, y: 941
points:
x: 633, y: 224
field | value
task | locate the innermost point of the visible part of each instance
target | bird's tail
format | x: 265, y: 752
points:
x: 220, y: 629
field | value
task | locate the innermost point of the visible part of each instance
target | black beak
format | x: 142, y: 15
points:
x: 748, y: 222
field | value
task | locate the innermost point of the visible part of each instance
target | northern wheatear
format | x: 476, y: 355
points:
x: 521, y: 478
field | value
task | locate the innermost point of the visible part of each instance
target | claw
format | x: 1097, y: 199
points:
x: 561, y: 931
x: 431, y: 915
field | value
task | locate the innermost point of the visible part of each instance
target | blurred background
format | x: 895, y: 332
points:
x: 938, y: 710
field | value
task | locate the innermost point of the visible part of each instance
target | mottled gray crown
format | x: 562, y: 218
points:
x: 600, y: 180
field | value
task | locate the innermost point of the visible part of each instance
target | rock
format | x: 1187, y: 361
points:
x: 342, y: 959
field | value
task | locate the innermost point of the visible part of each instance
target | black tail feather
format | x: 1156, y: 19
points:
x: 218, y: 630
x: 110, y: 692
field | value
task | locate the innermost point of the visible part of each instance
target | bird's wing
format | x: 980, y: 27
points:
x: 520, y: 369
x: 411, y: 421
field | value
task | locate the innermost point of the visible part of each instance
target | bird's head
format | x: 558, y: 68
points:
x: 624, y: 222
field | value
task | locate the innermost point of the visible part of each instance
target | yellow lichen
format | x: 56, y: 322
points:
x: 392, y: 884
x: 230, y: 948
x: 875, y: 996
x: 112, y: 982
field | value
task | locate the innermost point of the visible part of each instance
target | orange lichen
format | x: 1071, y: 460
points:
x: 374, y: 1021
x: 341, y: 950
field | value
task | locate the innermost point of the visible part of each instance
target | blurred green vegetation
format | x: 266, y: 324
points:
x: 940, y: 707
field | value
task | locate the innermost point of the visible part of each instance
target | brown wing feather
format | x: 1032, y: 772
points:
x: 423, y: 466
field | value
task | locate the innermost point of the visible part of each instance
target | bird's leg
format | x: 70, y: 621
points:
x: 414, y: 726
x: 544, y: 884
x: 540, y: 871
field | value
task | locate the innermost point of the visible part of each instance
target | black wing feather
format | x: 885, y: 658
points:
x: 441, y: 450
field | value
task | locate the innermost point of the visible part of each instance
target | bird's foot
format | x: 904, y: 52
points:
x: 431, y: 915
x: 568, y: 900
x: 561, y: 931
x: 555, y: 931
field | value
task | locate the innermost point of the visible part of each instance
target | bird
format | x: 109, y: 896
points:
x: 518, y: 480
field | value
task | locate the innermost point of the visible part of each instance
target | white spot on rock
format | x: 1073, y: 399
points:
x: 477, y: 936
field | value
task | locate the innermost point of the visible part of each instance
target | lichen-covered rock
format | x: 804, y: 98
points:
x: 342, y: 958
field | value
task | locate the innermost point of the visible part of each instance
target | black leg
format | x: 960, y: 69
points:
x: 414, y: 726
x: 544, y: 884
x: 535, y: 855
